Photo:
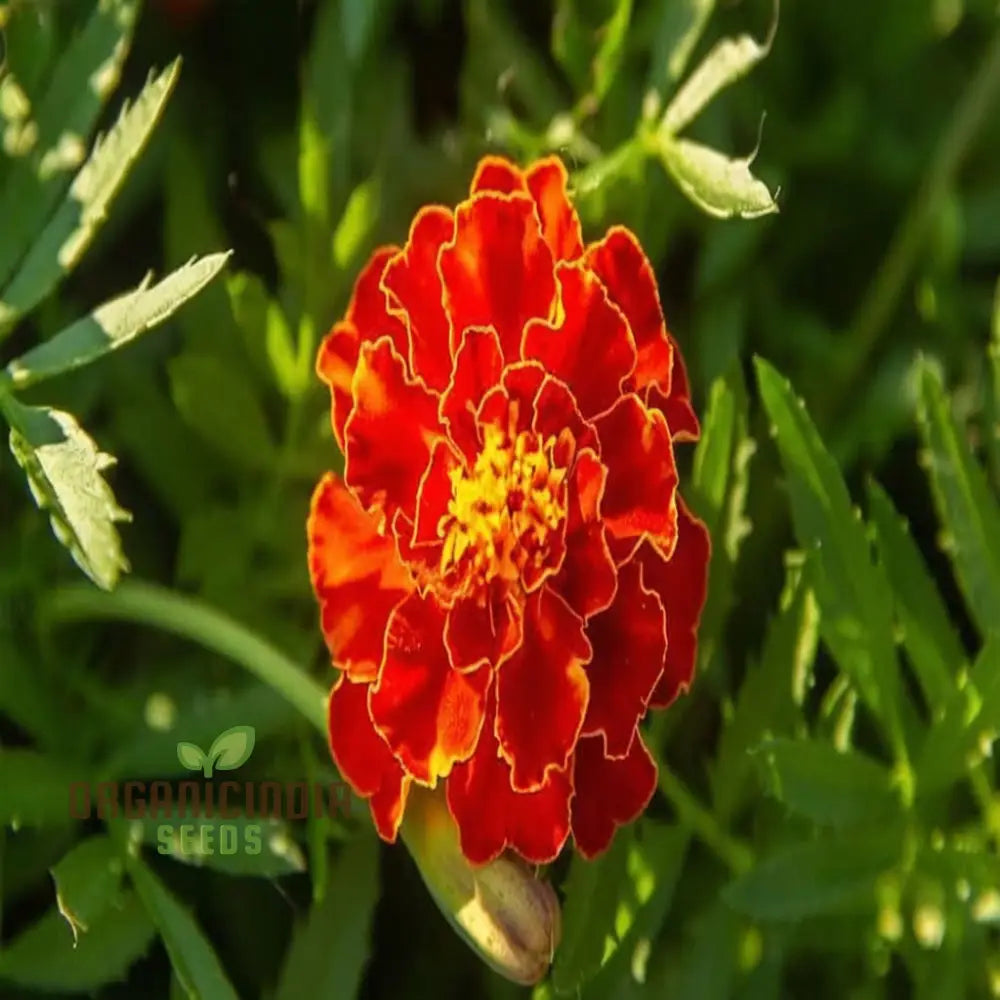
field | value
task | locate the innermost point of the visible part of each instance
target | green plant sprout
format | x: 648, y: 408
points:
x: 230, y: 749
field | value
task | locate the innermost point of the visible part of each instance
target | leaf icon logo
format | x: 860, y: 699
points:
x: 230, y: 750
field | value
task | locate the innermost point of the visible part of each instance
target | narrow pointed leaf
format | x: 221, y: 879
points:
x: 116, y: 323
x: 64, y: 470
x: 680, y: 27
x: 61, y: 244
x: 88, y: 882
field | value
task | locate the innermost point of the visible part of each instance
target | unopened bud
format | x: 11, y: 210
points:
x: 508, y: 915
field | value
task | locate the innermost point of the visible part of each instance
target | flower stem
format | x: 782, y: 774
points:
x: 692, y: 814
x: 148, y: 604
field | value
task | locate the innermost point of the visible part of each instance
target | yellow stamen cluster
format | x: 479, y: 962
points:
x: 502, y: 513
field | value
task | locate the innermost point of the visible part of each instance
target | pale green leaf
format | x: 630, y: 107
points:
x: 61, y: 244
x: 330, y: 950
x: 720, y: 185
x: 967, y: 510
x: 46, y: 956
x: 681, y: 24
x: 355, y: 227
x: 232, y: 748
x: 730, y: 60
x: 88, y: 882
x: 612, y: 48
x: 64, y: 470
x: 116, y: 323
x: 84, y: 76
x: 194, y: 961
x: 190, y: 755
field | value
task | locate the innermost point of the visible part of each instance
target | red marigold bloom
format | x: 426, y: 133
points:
x: 507, y: 576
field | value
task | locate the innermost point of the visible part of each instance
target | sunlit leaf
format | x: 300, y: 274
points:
x: 59, y: 246
x: 720, y: 185
x: 116, y: 323
x: 64, y: 470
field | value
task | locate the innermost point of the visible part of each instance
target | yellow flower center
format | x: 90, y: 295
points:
x: 503, y: 513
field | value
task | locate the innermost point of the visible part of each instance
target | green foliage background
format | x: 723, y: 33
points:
x: 827, y: 823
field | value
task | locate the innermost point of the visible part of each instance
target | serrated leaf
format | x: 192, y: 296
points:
x: 730, y: 60
x: 680, y: 27
x: 965, y: 507
x: 88, y: 881
x: 929, y: 637
x: 821, y: 783
x: 232, y: 748
x: 46, y: 957
x: 969, y: 721
x: 720, y: 185
x: 592, y: 889
x: 330, y: 950
x: 190, y: 755
x: 769, y: 693
x: 34, y: 790
x: 64, y: 470
x: 60, y: 245
x: 222, y: 408
x: 192, y: 957
x: 254, y: 847
x: 86, y: 73
x: 831, y: 874
x: 116, y: 323
x: 853, y: 593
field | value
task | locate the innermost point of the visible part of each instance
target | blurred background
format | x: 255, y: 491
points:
x: 303, y: 134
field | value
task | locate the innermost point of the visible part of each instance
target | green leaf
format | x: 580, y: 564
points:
x: 329, y: 951
x: 84, y: 77
x: 191, y: 755
x: 967, y: 510
x: 591, y: 892
x: 47, y: 957
x: 929, y: 637
x: 853, y: 593
x: 830, y: 787
x: 194, y: 962
x: 831, y: 874
x: 238, y: 845
x: 354, y: 230
x: 34, y: 790
x: 769, y: 694
x: 730, y: 60
x: 232, y: 748
x: 590, y: 48
x: 681, y: 24
x: 61, y: 244
x: 64, y: 467
x: 222, y: 408
x: 116, y: 323
x: 719, y: 185
x: 970, y: 717
x: 88, y: 881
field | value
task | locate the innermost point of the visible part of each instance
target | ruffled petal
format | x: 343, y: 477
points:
x: 587, y: 579
x: 676, y: 406
x: 620, y: 263
x: 434, y: 493
x: 608, y: 792
x: 682, y: 583
x: 498, y: 174
x: 478, y: 364
x: 390, y: 432
x: 640, y: 500
x: 429, y: 714
x: 492, y: 817
x: 367, y: 319
x: 477, y: 633
x: 547, y: 180
x: 591, y: 348
x: 415, y: 292
x: 357, y: 576
x: 542, y: 691
x: 630, y: 643
x: 498, y: 271
x: 364, y: 758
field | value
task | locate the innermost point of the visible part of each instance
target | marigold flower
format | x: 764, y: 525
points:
x: 507, y: 576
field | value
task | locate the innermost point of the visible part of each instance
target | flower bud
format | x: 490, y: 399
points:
x: 508, y: 915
